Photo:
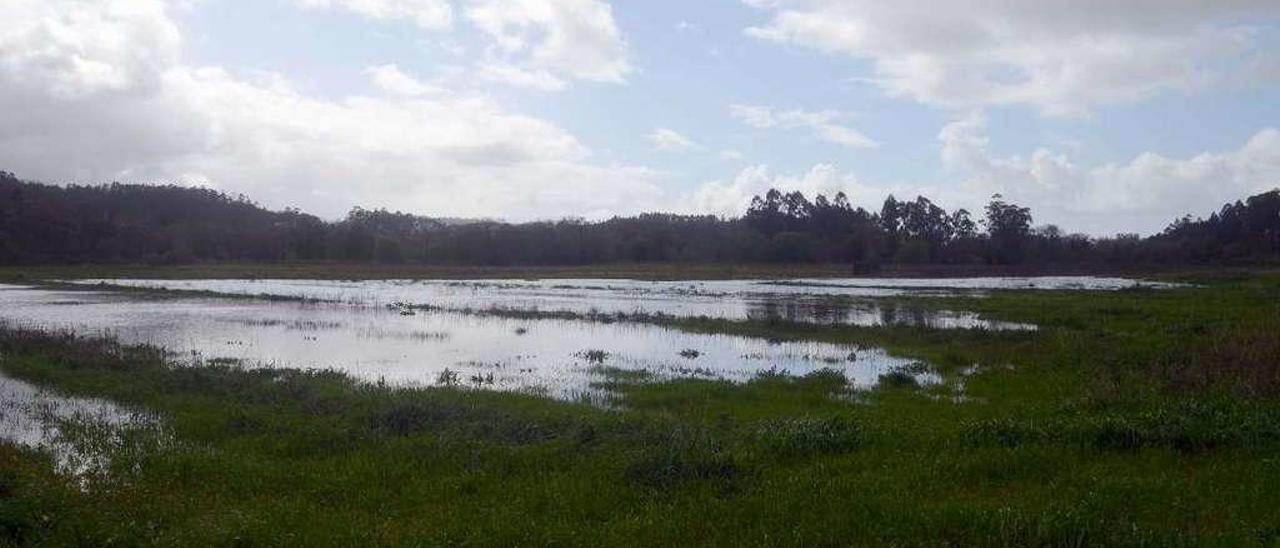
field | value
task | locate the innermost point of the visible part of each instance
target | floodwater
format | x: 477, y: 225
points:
x: 825, y: 301
x: 562, y: 358
x: 349, y: 327
x: 77, y: 432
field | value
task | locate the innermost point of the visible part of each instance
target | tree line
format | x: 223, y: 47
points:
x: 118, y: 223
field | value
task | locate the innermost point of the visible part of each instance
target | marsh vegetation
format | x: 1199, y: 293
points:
x: 1132, y: 415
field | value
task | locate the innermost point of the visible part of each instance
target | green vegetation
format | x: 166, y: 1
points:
x: 1134, y: 417
x: 172, y: 225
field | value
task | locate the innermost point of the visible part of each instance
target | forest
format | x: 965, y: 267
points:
x: 167, y: 224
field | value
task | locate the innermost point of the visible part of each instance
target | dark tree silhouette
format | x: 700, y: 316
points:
x: 42, y: 224
x: 1009, y: 227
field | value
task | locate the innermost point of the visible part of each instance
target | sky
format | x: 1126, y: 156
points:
x: 1102, y: 116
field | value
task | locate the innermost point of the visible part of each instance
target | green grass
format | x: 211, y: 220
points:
x: 1133, y: 418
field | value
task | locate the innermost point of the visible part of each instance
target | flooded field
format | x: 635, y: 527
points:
x: 77, y: 432
x: 444, y: 332
x: 562, y: 358
x: 827, y: 301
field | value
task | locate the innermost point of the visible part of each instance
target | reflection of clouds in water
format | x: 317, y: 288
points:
x: 819, y: 301
x: 377, y: 343
x: 839, y: 311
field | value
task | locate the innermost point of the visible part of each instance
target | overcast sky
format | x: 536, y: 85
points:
x: 1102, y: 115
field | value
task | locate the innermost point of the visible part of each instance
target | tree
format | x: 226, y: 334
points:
x: 891, y: 215
x: 963, y: 225
x: 1008, y: 226
x: 116, y: 223
x: 924, y: 222
x: 766, y: 214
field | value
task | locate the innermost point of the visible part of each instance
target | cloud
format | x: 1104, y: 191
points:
x: 1142, y: 194
x: 576, y: 39
x: 1061, y: 57
x: 823, y: 124
x: 513, y: 75
x: 50, y: 46
x: 537, y: 44
x: 111, y: 99
x: 671, y: 140
x: 427, y: 14
x: 391, y: 79
x: 732, y: 197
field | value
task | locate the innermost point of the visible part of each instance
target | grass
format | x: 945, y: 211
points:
x: 1132, y: 418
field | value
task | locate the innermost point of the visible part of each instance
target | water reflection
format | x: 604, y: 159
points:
x: 78, y: 432
x: 844, y: 312
x: 561, y: 358
x: 828, y: 301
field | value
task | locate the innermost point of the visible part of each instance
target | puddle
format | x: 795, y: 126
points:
x: 79, y: 433
x: 556, y: 357
x: 828, y: 301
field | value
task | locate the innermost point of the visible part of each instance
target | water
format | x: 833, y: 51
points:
x: 826, y: 301
x: 374, y: 343
x: 351, y: 330
x: 78, y: 432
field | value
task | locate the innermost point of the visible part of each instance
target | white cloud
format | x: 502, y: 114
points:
x: 731, y: 198
x: 576, y: 39
x: 513, y: 75
x: 141, y: 115
x: 391, y: 79
x: 1142, y: 194
x: 671, y: 140
x: 49, y: 45
x: 823, y: 124
x: 1062, y: 57
x: 96, y: 90
x: 538, y: 44
x: 428, y: 14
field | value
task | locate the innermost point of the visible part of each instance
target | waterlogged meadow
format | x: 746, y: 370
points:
x: 1070, y: 411
x: 80, y: 434
x: 560, y: 357
x: 826, y: 301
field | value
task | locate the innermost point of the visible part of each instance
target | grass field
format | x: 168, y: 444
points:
x: 1137, y: 417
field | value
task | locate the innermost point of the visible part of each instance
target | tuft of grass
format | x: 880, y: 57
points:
x: 898, y: 379
x: 805, y: 436
x: 1000, y: 432
x: 448, y: 377
x: 684, y: 457
x: 594, y: 356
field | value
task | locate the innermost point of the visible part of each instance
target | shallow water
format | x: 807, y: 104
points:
x: 827, y: 301
x: 39, y: 419
x: 375, y: 343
